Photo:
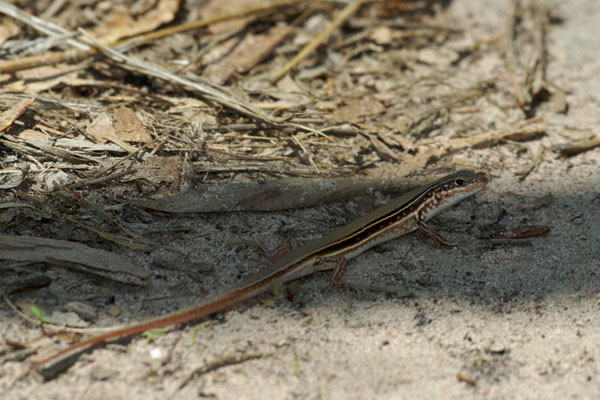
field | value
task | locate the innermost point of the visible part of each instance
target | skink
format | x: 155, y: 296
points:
x: 331, y: 252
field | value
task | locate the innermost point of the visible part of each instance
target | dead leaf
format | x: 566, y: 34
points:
x: 129, y: 127
x: 50, y: 148
x: 288, y: 85
x: 12, y: 178
x: 423, y: 156
x: 46, y: 77
x: 355, y: 109
x: 392, y: 139
x: 121, y: 25
x: 247, y: 54
x: 215, y: 8
x: 8, y: 29
x: 288, y: 93
x: 159, y: 169
x: 102, y: 130
x: 400, y: 124
x: 29, y: 134
x: 383, y: 149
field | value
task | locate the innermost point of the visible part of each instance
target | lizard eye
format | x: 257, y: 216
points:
x: 459, y: 181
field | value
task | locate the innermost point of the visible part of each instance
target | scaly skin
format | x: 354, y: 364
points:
x: 331, y: 252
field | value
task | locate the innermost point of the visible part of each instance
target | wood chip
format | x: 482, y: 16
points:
x: 277, y: 195
x: 7, y: 117
x: 72, y: 255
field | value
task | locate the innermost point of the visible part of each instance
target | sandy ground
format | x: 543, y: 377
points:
x: 485, y: 321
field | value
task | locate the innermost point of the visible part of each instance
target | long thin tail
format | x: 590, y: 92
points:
x: 207, y: 307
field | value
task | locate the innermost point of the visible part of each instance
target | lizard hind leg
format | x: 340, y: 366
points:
x: 284, y: 248
x: 337, y: 264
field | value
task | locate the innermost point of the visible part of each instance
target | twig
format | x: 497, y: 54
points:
x: 140, y: 244
x: 308, y: 155
x: 538, y: 70
x: 214, y: 92
x: 83, y: 50
x: 20, y: 179
x: 53, y: 327
x: 102, y: 179
x: 39, y: 24
x: 520, y: 131
x: 99, y: 211
x: 536, y: 151
x: 20, y: 313
x: 277, y: 169
x: 346, y: 13
x: 209, y: 90
x: 220, y: 363
x: 579, y: 146
x: 427, y: 117
x: 205, y: 22
x: 509, y: 53
x: 7, y: 117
